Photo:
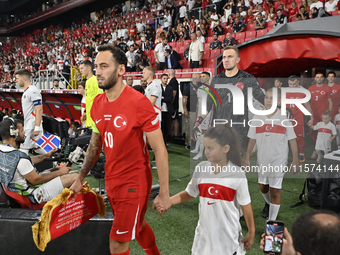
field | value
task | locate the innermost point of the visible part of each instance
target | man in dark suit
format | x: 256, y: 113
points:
x: 167, y: 107
x: 171, y: 62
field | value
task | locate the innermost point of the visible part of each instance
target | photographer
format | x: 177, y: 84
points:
x: 260, y: 22
x: 20, y: 175
x: 313, y: 233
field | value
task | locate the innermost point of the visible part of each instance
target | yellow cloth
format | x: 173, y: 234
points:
x: 91, y: 91
x: 41, y: 230
x: 95, y: 129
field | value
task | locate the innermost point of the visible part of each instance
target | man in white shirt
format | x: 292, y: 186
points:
x: 200, y: 37
x: 140, y: 26
x: 159, y: 54
x: 182, y: 12
x: 316, y: 4
x: 167, y: 20
x: 130, y: 55
x: 195, y: 52
x: 190, y: 5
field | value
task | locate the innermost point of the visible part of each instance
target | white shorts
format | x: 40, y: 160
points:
x: 275, y: 183
x: 30, y: 140
x: 48, y: 190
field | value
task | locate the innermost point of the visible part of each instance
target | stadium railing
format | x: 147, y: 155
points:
x: 46, y: 77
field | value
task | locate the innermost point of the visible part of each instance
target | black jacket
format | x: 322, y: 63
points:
x: 167, y: 96
x: 174, y: 62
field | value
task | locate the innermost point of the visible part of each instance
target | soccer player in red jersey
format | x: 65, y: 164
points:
x: 331, y: 76
x: 124, y: 120
x: 293, y: 82
x: 321, y: 100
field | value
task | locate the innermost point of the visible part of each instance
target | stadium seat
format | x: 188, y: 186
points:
x: 181, y: 50
x: 206, y: 46
x: 215, y: 53
x: 241, y: 35
x: 228, y: 30
x: 224, y: 24
x: 261, y: 32
x: 270, y: 24
x: 171, y: 44
x: 250, y: 27
x: 210, y: 63
x: 210, y: 33
x: 250, y: 35
x: 292, y: 19
x: 336, y: 13
x: 184, y: 42
x: 184, y: 63
x: 189, y: 75
x: 221, y: 37
x: 209, y: 39
x: 239, y: 41
x: 199, y: 70
x: 206, y: 54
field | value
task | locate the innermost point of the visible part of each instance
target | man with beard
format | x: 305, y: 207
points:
x: 240, y: 79
x: 124, y: 120
x: 20, y: 175
x: 91, y: 89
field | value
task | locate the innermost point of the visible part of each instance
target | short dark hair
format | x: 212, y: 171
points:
x: 331, y: 72
x: 292, y: 78
x: 312, y: 238
x: 55, y: 80
x: 138, y: 88
x: 319, y: 72
x: 207, y: 73
x: 302, y: 6
x: 86, y: 63
x: 164, y: 74
x: 117, y: 54
x: 5, y: 127
x: 232, y: 48
x: 75, y: 123
x: 23, y: 72
x: 168, y: 51
x: 82, y: 83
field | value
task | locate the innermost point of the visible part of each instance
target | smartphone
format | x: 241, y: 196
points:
x: 273, y: 237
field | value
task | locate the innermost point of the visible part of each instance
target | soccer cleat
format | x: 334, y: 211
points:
x: 302, y: 158
x: 153, y: 159
x: 265, y: 211
x: 194, y: 151
x: 318, y: 160
x: 313, y: 155
x: 154, y: 167
x: 187, y: 147
x: 197, y: 157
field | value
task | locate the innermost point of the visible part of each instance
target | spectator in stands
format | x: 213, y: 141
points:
x: 280, y: 19
x: 159, y: 54
x: 186, y: 51
x: 171, y: 61
x: 215, y: 44
x: 143, y: 83
x: 56, y: 84
x: 175, y: 53
x: 331, y: 6
x: 293, y: 11
x: 229, y: 40
x: 305, y: 4
x: 7, y: 85
x: 196, y: 52
x: 129, y: 80
x: 167, y: 20
x: 238, y: 27
x: 142, y: 58
x: 67, y: 69
x: 200, y: 37
x: 213, y: 18
x: 316, y: 3
x: 227, y: 11
x: 318, y: 13
x: 13, y: 86
x: 130, y: 55
x: 260, y: 9
x: 303, y: 14
x: 271, y: 15
x: 218, y: 29
x: 315, y: 232
x: 60, y: 63
x: 182, y: 12
x: 250, y: 17
x: 260, y: 22
x: 122, y: 45
x: 173, y: 35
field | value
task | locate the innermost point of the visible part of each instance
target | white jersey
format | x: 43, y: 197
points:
x: 271, y: 139
x: 269, y: 243
x: 30, y: 98
x: 155, y: 89
x: 218, y: 230
x: 24, y: 167
x: 325, y: 132
x: 337, y: 127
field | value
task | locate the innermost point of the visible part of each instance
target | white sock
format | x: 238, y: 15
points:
x: 24, y: 151
x: 302, y: 154
x: 197, y: 142
x: 273, y: 211
x: 266, y: 197
x: 40, y: 151
x: 201, y: 147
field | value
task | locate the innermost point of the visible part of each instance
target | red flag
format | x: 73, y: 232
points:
x: 67, y: 32
x: 84, y: 28
x: 77, y: 32
x: 50, y: 27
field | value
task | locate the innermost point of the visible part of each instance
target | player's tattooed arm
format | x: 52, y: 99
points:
x: 92, y: 153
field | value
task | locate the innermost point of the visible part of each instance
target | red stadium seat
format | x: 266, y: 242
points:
x: 199, y: 70
x: 241, y: 35
x: 189, y: 75
x: 171, y: 44
x: 221, y: 37
x: 250, y: 27
x: 215, y: 53
x: 206, y: 54
x: 270, y: 24
x: 336, y: 13
x: 209, y: 39
x: 239, y: 41
x: 184, y: 63
x: 261, y: 32
x: 228, y: 30
x: 206, y: 46
x: 185, y: 42
x: 209, y: 69
x: 209, y: 63
x: 210, y: 33
x: 224, y: 24
x: 250, y: 35
x: 181, y: 50
x: 292, y: 19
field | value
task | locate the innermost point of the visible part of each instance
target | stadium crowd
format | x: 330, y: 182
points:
x: 152, y: 27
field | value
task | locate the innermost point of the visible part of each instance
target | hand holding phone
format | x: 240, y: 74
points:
x: 273, y: 239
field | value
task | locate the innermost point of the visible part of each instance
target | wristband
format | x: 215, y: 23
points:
x: 37, y: 128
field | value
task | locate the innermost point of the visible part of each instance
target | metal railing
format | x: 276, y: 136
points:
x: 44, y: 79
x: 197, y: 9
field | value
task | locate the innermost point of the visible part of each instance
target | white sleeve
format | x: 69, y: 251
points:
x: 252, y: 130
x: 24, y: 166
x: 154, y: 90
x: 157, y: 48
x: 201, y: 46
x: 290, y: 131
x: 242, y: 192
x: 333, y: 130
x: 192, y: 187
x: 317, y: 126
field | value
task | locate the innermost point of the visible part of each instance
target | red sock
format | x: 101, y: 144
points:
x: 146, y: 239
x: 122, y: 253
x: 301, y: 144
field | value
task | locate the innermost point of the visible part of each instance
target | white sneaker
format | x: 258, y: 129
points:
x: 194, y: 151
x: 197, y: 157
x: 313, y: 154
x: 319, y: 159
